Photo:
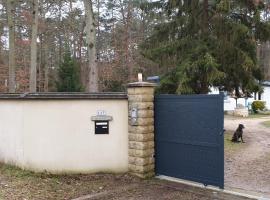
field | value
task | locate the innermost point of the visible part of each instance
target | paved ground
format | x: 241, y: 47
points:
x: 247, y: 166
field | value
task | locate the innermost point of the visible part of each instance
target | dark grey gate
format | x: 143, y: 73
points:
x: 189, y: 137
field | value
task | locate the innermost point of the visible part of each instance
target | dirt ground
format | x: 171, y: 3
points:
x: 16, y: 184
x: 247, y: 165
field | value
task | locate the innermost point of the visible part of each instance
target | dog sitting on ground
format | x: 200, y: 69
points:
x: 238, y: 134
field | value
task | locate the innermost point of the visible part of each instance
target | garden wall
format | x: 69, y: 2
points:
x: 55, y: 132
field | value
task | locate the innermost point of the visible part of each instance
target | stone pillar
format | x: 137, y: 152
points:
x: 141, y: 129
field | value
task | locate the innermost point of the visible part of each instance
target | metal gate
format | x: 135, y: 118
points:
x: 189, y: 137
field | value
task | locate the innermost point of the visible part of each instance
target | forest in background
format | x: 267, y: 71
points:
x: 121, y: 25
x: 101, y: 45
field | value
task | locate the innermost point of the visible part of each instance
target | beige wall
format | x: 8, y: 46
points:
x: 58, y: 135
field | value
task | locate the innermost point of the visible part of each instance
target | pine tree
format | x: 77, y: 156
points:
x: 208, y: 43
x: 69, y: 75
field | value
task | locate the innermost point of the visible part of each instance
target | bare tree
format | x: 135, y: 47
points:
x: 106, y: 47
x: 11, y: 54
x: 33, y: 66
x: 91, y: 46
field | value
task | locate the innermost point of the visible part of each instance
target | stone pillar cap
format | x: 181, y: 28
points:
x: 141, y: 84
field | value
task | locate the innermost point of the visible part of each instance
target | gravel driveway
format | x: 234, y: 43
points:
x: 247, y: 167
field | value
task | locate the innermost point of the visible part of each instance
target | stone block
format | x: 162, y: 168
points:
x: 144, y: 114
x: 141, y: 137
x: 141, y: 169
x: 141, y: 129
x: 140, y: 98
x: 143, y: 121
x: 142, y: 105
x: 140, y: 91
x: 141, y: 161
x: 141, y: 153
x: 141, y: 145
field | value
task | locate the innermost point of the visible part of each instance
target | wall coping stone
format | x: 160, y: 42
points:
x: 141, y: 84
x: 63, y: 96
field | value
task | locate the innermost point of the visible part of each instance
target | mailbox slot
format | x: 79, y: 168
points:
x: 101, y: 127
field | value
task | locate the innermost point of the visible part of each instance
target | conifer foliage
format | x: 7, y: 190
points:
x: 206, y: 43
x: 69, y: 75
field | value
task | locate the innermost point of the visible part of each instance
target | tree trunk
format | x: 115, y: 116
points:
x: 46, y: 73
x: 46, y: 66
x: 60, y: 28
x: 33, y: 66
x: 127, y: 15
x: 70, y: 6
x: 206, y: 16
x: 11, y: 52
x: 127, y: 43
x: 39, y: 64
x: 98, y: 40
x: 92, y: 85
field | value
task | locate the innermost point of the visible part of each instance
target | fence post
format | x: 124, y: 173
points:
x: 141, y: 129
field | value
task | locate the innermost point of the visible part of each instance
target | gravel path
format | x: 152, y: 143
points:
x: 248, y: 168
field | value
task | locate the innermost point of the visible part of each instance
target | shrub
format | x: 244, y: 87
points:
x: 258, y: 105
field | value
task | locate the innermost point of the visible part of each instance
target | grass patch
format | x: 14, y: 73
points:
x: 16, y: 172
x: 266, y: 124
x: 258, y: 115
x: 1, y: 196
x: 251, y: 116
x: 13, y: 171
x: 23, y: 184
x: 230, y: 146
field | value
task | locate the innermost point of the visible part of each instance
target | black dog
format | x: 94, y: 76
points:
x: 238, y: 134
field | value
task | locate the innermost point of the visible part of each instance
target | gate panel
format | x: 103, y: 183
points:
x: 189, y: 137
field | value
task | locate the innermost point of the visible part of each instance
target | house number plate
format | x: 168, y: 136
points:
x: 101, y: 112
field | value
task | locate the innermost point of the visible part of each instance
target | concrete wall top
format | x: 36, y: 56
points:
x: 141, y: 84
x: 68, y: 96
